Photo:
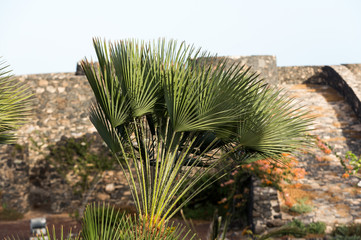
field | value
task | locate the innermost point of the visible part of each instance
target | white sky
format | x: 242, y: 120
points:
x: 42, y: 36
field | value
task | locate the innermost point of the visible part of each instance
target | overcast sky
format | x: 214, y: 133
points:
x: 42, y: 36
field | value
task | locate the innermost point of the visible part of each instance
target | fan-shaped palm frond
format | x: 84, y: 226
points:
x: 273, y: 125
x: 14, y: 104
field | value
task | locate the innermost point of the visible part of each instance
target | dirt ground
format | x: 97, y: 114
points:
x: 21, y: 229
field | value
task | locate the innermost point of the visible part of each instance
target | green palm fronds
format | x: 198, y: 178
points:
x: 167, y: 109
x: 102, y: 222
x: 14, y: 104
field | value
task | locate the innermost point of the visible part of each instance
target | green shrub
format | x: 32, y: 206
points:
x: 346, y: 238
x: 301, y: 207
x: 348, y: 231
x: 311, y: 228
x: 316, y: 228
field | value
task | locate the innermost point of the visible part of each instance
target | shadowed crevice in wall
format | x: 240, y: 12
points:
x: 342, y: 80
x: 342, y: 86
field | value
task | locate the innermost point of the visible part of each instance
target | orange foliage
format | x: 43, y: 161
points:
x: 346, y: 175
x: 274, y: 173
x: 323, y: 146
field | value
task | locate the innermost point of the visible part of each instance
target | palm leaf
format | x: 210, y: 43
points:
x: 14, y: 104
x: 274, y: 125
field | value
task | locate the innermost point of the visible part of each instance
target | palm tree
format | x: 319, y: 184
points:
x: 14, y: 105
x: 168, y: 110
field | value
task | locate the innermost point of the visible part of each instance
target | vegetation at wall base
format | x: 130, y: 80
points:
x: 346, y: 238
x: 352, y: 230
x: 296, y: 228
x: 9, y: 214
x: 307, y: 229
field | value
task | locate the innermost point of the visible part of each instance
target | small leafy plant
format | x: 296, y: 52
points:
x: 346, y: 238
x: 348, y: 231
x: 351, y: 164
x: 311, y: 228
x: 316, y: 228
x: 301, y: 207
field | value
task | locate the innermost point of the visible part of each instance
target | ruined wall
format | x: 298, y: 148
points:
x: 301, y: 74
x: 265, y: 66
x: 355, y: 69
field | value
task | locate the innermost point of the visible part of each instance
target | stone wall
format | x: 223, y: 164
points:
x: 355, y: 69
x: 265, y: 66
x: 301, y: 74
x: 14, y: 176
x: 266, y: 208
